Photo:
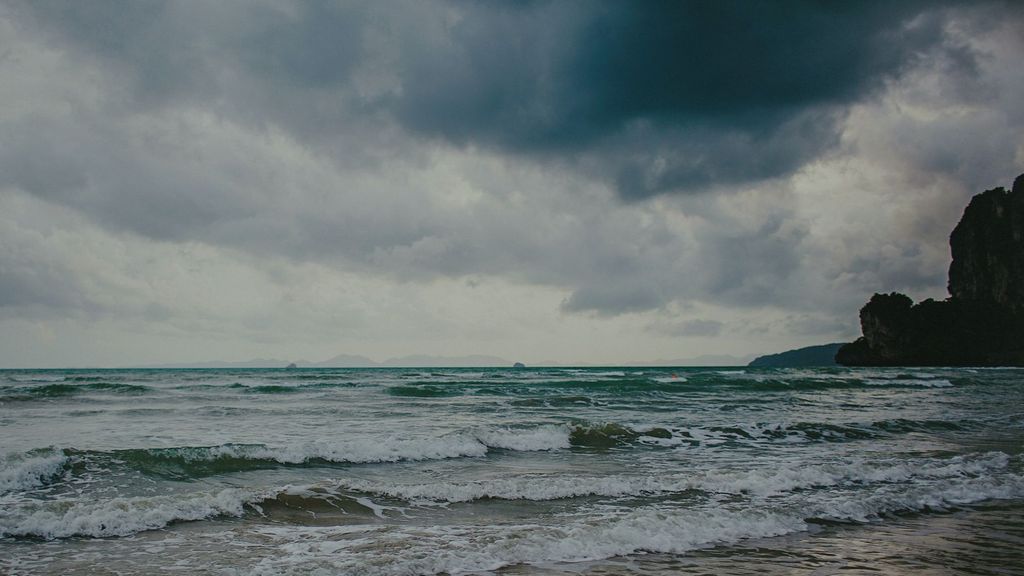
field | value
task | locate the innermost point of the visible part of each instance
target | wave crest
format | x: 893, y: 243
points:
x: 21, y: 472
x: 61, y: 389
x: 484, y: 548
x: 117, y: 516
x: 759, y: 483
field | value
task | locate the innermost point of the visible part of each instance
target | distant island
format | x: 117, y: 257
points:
x: 820, y: 355
x: 982, y: 322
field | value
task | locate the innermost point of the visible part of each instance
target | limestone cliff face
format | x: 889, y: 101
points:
x: 988, y: 249
x: 982, y: 323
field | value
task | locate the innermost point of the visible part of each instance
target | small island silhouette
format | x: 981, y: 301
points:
x: 982, y: 322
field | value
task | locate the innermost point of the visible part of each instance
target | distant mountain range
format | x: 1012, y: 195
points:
x: 354, y: 361
x: 427, y: 361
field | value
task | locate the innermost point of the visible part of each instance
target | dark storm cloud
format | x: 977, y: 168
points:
x: 655, y: 97
x: 169, y: 128
x: 666, y: 96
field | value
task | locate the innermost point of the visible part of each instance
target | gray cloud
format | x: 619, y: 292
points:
x: 438, y: 139
x: 688, y: 95
x: 614, y: 299
x: 655, y: 97
x: 696, y: 327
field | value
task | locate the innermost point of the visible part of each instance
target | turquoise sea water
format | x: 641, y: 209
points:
x: 536, y: 471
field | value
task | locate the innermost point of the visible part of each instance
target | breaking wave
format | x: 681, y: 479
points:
x: 752, y: 482
x: 189, y: 462
x: 873, y: 489
x: 19, y: 472
x: 117, y: 516
x: 483, y: 548
x: 59, y: 389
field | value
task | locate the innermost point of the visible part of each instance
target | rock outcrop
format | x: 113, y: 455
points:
x: 988, y: 249
x: 982, y: 322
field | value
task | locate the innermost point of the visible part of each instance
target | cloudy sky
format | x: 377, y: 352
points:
x: 566, y: 181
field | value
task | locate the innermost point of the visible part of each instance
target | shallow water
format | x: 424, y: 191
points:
x: 537, y: 471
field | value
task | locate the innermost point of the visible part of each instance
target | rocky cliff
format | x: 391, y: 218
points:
x: 982, y: 322
x: 988, y: 249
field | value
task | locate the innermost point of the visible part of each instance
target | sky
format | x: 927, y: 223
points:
x: 576, y: 182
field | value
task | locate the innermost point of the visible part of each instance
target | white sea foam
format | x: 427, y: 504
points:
x: 939, y: 495
x: 924, y: 382
x: 755, y: 482
x: 874, y: 489
x: 533, y: 487
x: 26, y: 471
x: 581, y: 376
x: 117, y: 516
x: 353, y: 450
x: 458, y: 549
x: 540, y: 438
x: 371, y: 449
x: 37, y: 378
x: 466, y: 549
x: 669, y: 379
x: 781, y: 479
x: 756, y: 433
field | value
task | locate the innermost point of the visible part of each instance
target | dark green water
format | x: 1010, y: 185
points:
x: 551, y: 471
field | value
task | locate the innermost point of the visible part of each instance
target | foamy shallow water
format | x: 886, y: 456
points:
x: 603, y: 471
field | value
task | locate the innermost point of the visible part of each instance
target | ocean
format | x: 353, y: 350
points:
x: 547, y: 471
